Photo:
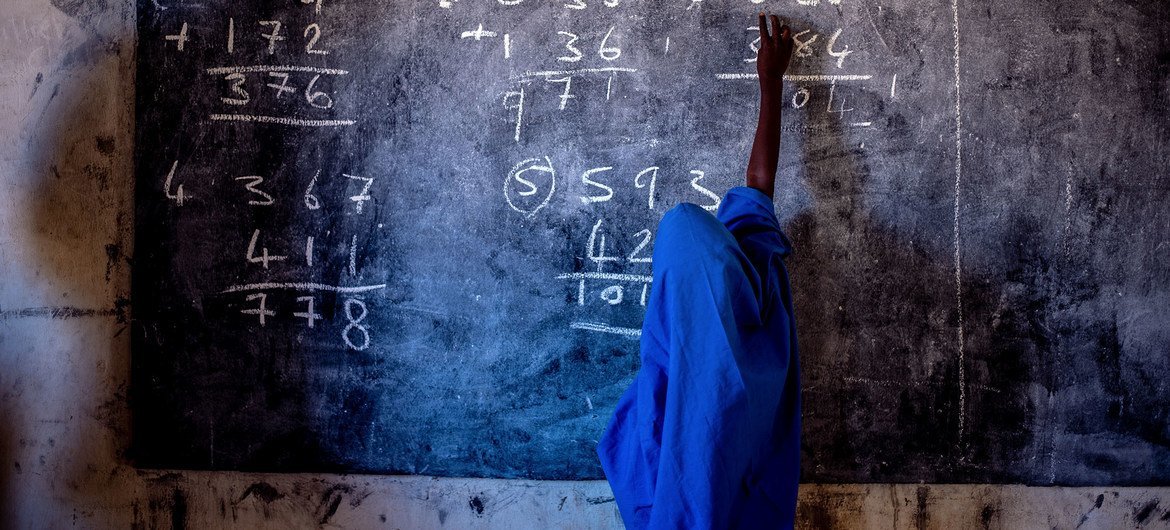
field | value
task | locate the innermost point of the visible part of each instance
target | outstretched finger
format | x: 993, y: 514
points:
x: 776, y: 29
x: 763, y: 27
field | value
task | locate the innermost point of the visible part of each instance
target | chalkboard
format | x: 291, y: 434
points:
x: 414, y: 237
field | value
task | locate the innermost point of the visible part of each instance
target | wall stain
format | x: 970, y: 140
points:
x: 36, y: 84
x: 988, y: 514
x: 897, y: 505
x: 121, y: 304
x: 1142, y: 515
x: 1085, y: 517
x: 178, y: 510
x: 105, y: 145
x: 113, y: 254
x: 100, y: 174
x: 476, y: 505
x: 330, y: 501
x: 263, y: 491
x: 137, y: 521
x: 816, y: 514
x: 921, y: 516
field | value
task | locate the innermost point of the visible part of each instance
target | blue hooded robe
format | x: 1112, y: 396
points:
x: 708, y: 434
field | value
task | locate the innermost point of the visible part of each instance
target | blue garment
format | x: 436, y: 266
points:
x: 708, y: 434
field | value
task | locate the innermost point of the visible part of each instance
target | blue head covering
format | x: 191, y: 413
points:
x: 708, y: 434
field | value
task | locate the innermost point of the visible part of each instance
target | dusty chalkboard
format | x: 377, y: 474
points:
x: 413, y: 237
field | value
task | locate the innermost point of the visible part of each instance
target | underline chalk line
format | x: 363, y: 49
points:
x: 798, y: 77
x: 279, y: 120
x: 606, y: 328
x: 274, y: 68
x: 302, y: 286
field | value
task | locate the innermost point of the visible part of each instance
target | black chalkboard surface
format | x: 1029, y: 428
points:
x: 413, y: 237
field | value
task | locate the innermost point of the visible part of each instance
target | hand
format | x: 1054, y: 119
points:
x: 775, y: 53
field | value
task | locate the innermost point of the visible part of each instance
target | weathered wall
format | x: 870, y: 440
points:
x: 66, y: 81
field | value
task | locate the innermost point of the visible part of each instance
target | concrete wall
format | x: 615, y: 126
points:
x: 66, y: 99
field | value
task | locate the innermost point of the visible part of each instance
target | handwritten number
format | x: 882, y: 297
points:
x: 364, y: 195
x: 256, y: 180
x: 609, y: 53
x: 315, y: 98
x: 702, y: 189
x: 237, y: 80
x: 309, y: 314
x: 653, y: 172
x: 272, y: 37
x: 316, y: 31
x: 569, y: 45
x: 178, y: 196
x: 633, y: 258
x: 264, y: 257
x: 355, y: 324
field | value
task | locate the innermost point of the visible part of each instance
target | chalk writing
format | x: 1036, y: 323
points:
x: 525, y: 182
x: 252, y: 181
x: 268, y: 87
x: 180, y: 38
x: 353, y: 323
x: 178, y: 196
x: 347, y: 161
x: 611, y: 288
x: 261, y: 310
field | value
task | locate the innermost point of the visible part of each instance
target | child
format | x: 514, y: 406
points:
x: 708, y: 435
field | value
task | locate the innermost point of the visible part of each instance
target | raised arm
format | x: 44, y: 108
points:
x: 771, y: 63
